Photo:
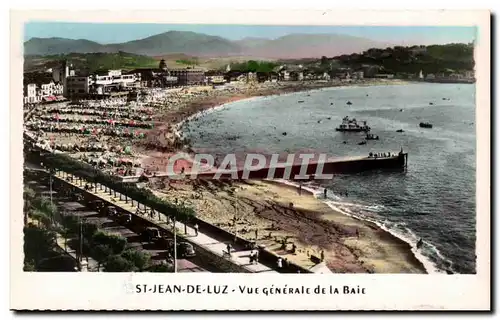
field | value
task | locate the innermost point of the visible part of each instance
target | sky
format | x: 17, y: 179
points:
x: 118, y: 32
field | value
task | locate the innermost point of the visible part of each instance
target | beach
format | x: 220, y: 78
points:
x: 194, y: 102
x: 349, y: 245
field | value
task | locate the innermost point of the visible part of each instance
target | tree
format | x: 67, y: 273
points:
x: 46, y: 208
x: 116, y: 244
x: 117, y: 263
x: 141, y: 260
x: 162, y: 267
x: 29, y: 197
x: 100, y: 253
x: 57, y: 262
x: 67, y: 164
x: 88, y: 230
x: 324, y: 60
x: 37, y: 242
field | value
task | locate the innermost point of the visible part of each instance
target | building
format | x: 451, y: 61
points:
x: 296, y: 76
x: 187, y: 77
x: 369, y: 71
x: 469, y: 74
x: 251, y: 77
x: 358, y: 75
x: 30, y: 95
x: 61, y: 72
x: 40, y: 87
x: 384, y: 76
x: 78, y: 85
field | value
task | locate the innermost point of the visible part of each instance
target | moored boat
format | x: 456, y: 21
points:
x: 351, y: 125
x: 425, y: 125
x: 370, y: 136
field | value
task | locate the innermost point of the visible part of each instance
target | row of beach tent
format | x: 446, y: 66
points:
x: 110, y: 122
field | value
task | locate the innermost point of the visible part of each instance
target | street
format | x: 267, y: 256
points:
x: 67, y: 206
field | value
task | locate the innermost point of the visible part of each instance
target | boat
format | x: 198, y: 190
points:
x: 351, y: 125
x: 349, y: 103
x: 400, y: 130
x: 362, y: 143
x: 425, y: 125
x: 300, y: 101
x: 370, y: 136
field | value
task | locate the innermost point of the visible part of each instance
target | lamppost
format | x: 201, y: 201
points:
x: 51, y: 172
x: 175, y: 247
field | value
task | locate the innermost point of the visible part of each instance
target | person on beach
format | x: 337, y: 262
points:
x: 228, y: 247
x: 256, y: 234
x: 322, y: 254
x: 251, y: 257
x: 420, y: 243
x: 280, y: 263
x: 196, y: 229
x: 357, y: 233
x: 300, y: 188
x: 325, y: 192
x: 256, y: 257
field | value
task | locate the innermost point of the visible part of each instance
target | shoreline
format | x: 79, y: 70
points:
x: 197, y: 109
x: 288, y: 90
x: 425, y: 264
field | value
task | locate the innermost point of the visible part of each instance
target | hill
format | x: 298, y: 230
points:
x: 202, y: 45
x: 90, y: 62
x: 456, y: 57
x: 51, y: 46
x: 189, y: 43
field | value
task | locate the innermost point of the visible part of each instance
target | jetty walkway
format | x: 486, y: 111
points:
x: 239, y: 256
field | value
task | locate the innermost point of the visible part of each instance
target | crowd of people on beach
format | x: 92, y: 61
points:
x: 381, y: 155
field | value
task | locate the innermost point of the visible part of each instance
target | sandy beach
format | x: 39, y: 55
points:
x: 311, y: 225
x: 349, y: 245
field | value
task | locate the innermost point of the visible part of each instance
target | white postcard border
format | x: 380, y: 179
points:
x: 105, y: 291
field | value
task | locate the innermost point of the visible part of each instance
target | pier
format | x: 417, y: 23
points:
x: 314, y: 169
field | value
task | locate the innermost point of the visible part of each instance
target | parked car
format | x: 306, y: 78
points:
x: 184, y: 249
x: 112, y: 211
x: 151, y: 234
x: 125, y: 218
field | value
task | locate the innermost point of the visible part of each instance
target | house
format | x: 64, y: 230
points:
x: 215, y: 77
x: 384, y: 76
x: 267, y: 76
x: 469, y: 74
x: 232, y: 75
x: 251, y: 77
x: 40, y: 87
x: 188, y: 76
x: 78, y: 85
x: 284, y: 75
x: 369, y: 71
x: 358, y: 75
x: 296, y: 76
x: 30, y: 95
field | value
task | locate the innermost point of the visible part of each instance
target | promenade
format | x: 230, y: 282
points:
x: 239, y: 256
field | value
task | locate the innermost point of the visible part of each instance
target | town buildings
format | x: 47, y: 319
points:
x: 188, y: 76
x: 41, y: 87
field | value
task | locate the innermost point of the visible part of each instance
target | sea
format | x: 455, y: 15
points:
x: 433, y: 200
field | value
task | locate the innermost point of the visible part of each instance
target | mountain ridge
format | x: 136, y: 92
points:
x: 203, y: 45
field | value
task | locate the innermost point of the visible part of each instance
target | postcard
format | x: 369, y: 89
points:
x: 292, y: 161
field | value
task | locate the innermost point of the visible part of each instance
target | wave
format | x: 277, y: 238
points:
x: 368, y: 213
